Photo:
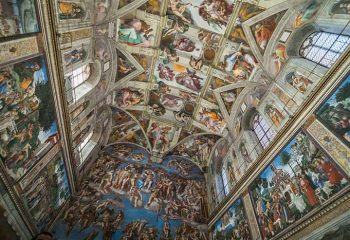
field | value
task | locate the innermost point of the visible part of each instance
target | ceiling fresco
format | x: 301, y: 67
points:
x: 190, y: 67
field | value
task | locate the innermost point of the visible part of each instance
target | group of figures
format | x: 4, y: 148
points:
x: 335, y: 112
x: 48, y: 192
x: 233, y: 224
x: 298, y: 180
x: 18, y: 17
x: 212, y: 14
x: 29, y: 127
x: 125, y: 196
x: 198, y: 148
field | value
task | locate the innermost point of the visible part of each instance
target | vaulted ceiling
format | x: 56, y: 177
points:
x: 196, y: 67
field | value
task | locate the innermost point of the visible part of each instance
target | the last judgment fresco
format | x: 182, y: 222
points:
x: 126, y: 196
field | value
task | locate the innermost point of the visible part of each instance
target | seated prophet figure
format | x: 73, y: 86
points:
x: 135, y: 32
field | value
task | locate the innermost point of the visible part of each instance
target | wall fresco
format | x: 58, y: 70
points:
x: 18, y: 17
x: 335, y: 112
x: 137, y: 199
x: 331, y: 144
x: 48, y: 191
x: 233, y: 224
x: 29, y: 128
x: 300, y: 179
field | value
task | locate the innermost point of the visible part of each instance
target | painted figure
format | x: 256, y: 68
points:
x: 74, y: 56
x: 341, y: 7
x: 127, y: 98
x: 165, y: 72
x: 274, y: 114
x: 69, y: 10
x: 298, y: 180
x: 298, y: 81
x: 211, y: 119
x: 135, y: 32
x: 263, y: 31
x: 190, y: 80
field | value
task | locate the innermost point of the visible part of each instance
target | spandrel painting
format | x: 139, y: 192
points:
x: 335, y: 112
x: 229, y: 97
x: 263, y: 30
x: 123, y: 3
x: 48, y: 191
x: 233, y: 224
x: 300, y: 179
x: 126, y: 129
x: 198, y: 148
x: 161, y: 136
x: 246, y: 12
x: 299, y: 82
x: 152, y: 6
x: 211, y: 119
x: 74, y: 56
x: 124, y: 66
x: 18, y: 17
x: 137, y: 199
x: 27, y: 115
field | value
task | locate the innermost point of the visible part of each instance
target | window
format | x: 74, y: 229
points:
x: 263, y: 131
x: 75, y: 88
x: 85, y: 147
x: 225, y: 181
x: 324, y: 48
x: 222, y: 183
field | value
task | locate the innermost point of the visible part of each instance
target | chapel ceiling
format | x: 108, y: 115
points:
x: 190, y: 67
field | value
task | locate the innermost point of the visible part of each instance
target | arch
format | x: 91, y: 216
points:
x: 262, y: 130
x: 82, y: 80
x: 296, y: 40
x: 198, y: 148
x: 124, y: 125
x: 324, y: 48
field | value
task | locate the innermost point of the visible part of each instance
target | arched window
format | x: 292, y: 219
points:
x: 324, y: 48
x: 225, y: 181
x: 263, y: 131
x: 75, y: 87
x: 85, y: 147
x: 222, y: 183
